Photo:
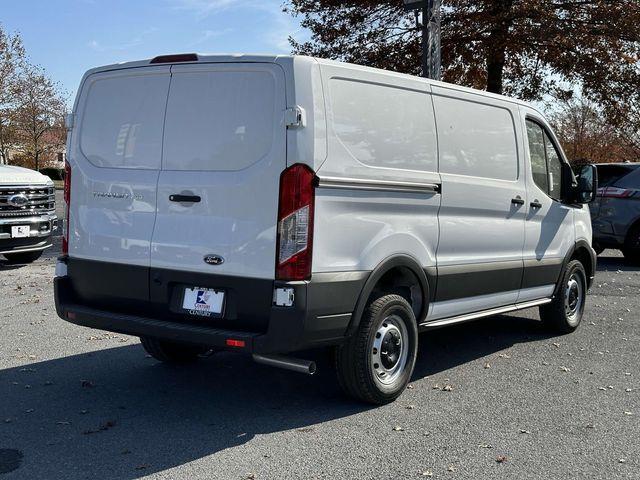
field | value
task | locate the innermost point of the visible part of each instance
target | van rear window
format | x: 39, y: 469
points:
x: 630, y: 180
x: 219, y: 120
x: 122, y: 120
x: 476, y: 139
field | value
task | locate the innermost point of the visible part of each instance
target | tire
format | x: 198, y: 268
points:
x: 631, y: 249
x: 24, y: 257
x: 564, y: 313
x: 365, y: 370
x: 171, y: 352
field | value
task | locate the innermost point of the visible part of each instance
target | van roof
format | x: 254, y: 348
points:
x: 201, y: 58
x: 267, y: 58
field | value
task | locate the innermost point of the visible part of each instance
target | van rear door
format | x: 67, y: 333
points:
x: 224, y: 150
x: 115, y: 154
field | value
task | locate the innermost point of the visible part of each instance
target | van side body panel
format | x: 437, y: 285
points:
x: 356, y: 229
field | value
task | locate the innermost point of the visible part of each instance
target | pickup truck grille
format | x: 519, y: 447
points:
x: 26, y: 200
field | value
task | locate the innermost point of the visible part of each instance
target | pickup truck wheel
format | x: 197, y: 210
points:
x: 24, y: 257
x: 564, y: 313
x: 171, y: 352
x: 376, y: 363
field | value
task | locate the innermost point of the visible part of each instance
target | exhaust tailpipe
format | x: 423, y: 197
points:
x: 295, y: 364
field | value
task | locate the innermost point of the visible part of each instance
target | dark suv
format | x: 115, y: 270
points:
x: 615, y: 213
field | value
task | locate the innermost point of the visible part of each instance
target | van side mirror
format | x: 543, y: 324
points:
x: 587, y: 184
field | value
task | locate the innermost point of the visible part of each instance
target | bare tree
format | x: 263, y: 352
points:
x: 39, y: 114
x: 12, y: 58
x: 587, y: 134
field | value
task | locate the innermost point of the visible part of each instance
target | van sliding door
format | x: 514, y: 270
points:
x: 482, y: 215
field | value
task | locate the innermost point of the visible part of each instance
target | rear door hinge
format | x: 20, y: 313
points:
x: 295, y: 117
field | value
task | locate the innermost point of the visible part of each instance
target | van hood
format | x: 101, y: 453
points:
x: 12, y: 175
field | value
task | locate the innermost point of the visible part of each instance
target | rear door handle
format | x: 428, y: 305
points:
x: 185, y: 198
x: 517, y: 201
x: 535, y: 204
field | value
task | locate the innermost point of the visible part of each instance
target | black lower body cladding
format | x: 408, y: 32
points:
x: 146, y: 301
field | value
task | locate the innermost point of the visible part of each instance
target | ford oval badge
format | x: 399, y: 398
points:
x: 214, y: 260
x: 19, y: 200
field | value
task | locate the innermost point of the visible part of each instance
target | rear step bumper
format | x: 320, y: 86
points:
x: 312, y: 322
x: 138, y: 326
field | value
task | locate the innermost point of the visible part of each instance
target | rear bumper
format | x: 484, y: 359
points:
x: 320, y: 316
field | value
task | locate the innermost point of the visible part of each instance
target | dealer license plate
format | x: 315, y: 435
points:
x: 203, y: 301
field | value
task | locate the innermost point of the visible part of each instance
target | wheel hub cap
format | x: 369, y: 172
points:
x: 574, y: 297
x: 390, y: 350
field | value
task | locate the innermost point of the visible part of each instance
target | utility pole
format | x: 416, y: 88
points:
x: 431, y: 46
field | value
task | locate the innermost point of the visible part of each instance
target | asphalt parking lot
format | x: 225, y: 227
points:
x: 498, y: 398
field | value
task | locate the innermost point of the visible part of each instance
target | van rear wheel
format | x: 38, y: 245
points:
x: 172, y: 352
x: 376, y: 363
x: 564, y: 313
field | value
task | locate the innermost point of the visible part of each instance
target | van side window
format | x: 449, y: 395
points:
x: 476, y: 139
x: 546, y: 163
x: 555, y: 169
x: 122, y: 121
x: 384, y: 126
x: 538, y: 155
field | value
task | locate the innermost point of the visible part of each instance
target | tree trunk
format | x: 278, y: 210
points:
x: 498, y: 40
x: 37, y: 163
x: 495, y: 69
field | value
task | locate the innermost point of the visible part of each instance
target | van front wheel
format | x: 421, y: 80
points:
x: 564, y: 313
x: 376, y: 363
x: 171, y: 352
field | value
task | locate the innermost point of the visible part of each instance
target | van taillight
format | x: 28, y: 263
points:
x: 295, y: 223
x: 67, y: 202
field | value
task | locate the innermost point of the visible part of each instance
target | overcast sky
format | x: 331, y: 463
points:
x: 67, y: 37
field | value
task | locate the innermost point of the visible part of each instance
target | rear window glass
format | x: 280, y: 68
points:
x: 609, y: 175
x: 630, y: 180
x: 384, y: 126
x: 219, y: 120
x: 122, y: 121
x: 476, y: 139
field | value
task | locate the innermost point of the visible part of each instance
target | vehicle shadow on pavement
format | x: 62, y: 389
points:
x: 613, y: 263
x: 115, y: 413
x: 446, y: 348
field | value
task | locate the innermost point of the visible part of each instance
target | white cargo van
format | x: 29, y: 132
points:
x: 270, y: 204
